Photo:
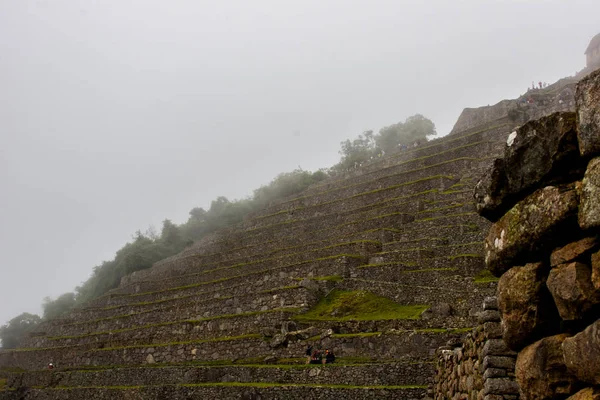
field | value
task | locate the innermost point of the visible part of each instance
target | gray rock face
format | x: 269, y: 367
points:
x: 541, y: 370
x: 582, y: 352
x: 572, y: 290
x: 531, y: 227
x: 589, y: 191
x: 537, y: 154
x: 526, y: 305
x: 588, y: 114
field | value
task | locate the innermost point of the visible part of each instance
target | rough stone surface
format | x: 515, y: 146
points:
x: 526, y: 305
x: 531, y: 227
x: 596, y: 270
x: 587, y: 99
x: 541, y: 371
x: 589, y: 209
x: 500, y: 386
x: 536, y: 156
x: 572, y: 290
x: 582, y: 354
x: 586, y: 394
x: 573, y: 250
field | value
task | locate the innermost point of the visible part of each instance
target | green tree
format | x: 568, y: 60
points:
x: 60, y: 305
x: 17, y: 328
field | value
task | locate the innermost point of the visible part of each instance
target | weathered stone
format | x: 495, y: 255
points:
x: 582, y: 352
x: 492, y: 330
x: 497, y: 347
x: 596, y: 270
x: 572, y: 290
x: 498, y: 362
x: 539, y: 153
x: 573, y: 250
x: 586, y: 394
x: 150, y: 359
x: 494, y: 373
x: 589, y: 191
x: 490, y: 303
x: 488, y: 316
x: 500, y: 386
x: 533, y: 226
x: 490, y: 190
x: 527, y: 308
x: 541, y: 371
x: 588, y: 114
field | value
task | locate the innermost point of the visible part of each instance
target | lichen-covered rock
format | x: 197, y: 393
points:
x: 533, y: 226
x: 541, y: 371
x: 526, y: 305
x: 573, y: 250
x: 572, y: 290
x: 596, y: 270
x: 582, y: 354
x: 586, y: 394
x: 589, y: 210
x: 539, y: 153
x: 588, y: 114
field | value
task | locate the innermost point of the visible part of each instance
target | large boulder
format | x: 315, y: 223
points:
x: 586, y: 394
x: 539, y: 153
x: 582, y: 352
x: 533, y: 226
x: 589, y: 191
x: 588, y: 114
x: 541, y: 371
x: 528, y: 312
x: 571, y: 287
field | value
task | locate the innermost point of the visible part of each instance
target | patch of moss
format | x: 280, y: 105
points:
x: 485, y: 276
x: 360, y: 305
x: 2, y: 384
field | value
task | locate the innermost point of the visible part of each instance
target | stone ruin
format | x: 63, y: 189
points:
x: 230, y: 317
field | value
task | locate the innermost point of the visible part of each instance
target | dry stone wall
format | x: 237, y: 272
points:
x: 544, y: 200
x: 480, y: 366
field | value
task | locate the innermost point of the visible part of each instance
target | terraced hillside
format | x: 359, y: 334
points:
x: 382, y: 265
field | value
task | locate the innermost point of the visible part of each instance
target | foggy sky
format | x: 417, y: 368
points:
x: 117, y: 114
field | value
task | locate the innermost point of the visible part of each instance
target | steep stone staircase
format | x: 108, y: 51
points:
x: 231, y: 317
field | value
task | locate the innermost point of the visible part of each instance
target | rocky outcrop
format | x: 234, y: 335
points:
x: 544, y: 244
x: 536, y: 154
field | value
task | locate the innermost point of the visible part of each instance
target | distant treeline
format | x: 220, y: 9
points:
x: 149, y: 247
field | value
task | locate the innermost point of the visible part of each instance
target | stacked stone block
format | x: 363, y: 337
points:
x: 480, y: 367
x: 544, y: 200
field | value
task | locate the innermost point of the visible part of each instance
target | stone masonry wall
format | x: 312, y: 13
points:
x: 479, y: 367
x: 544, y: 200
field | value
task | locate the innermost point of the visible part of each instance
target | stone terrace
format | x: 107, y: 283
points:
x: 231, y: 316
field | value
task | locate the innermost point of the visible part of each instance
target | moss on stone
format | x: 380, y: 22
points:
x: 485, y: 276
x: 360, y: 305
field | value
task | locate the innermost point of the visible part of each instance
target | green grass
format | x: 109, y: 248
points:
x: 485, y: 276
x: 2, y: 384
x: 359, y: 305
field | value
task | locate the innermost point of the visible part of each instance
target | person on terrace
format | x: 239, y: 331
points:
x: 309, y: 350
x: 329, y: 357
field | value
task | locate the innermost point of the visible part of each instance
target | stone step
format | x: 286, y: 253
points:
x: 226, y: 391
x: 381, y: 373
x: 200, y: 305
x: 117, y: 333
x: 456, y: 166
x: 432, y: 152
x: 420, y: 255
x: 396, y: 345
x: 267, y: 279
x: 363, y: 248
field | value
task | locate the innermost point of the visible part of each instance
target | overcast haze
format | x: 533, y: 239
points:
x: 115, y: 115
